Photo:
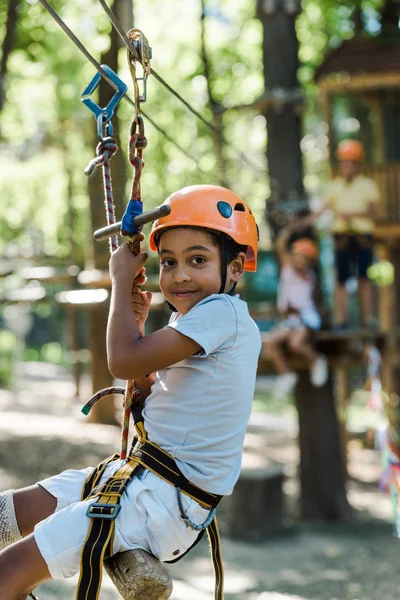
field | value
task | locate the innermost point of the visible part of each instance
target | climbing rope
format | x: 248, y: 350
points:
x: 105, y: 150
x: 137, y: 143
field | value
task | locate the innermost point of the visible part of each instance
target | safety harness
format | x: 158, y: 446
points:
x: 143, y: 454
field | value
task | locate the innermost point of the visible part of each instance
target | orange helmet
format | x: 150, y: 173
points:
x: 211, y: 207
x: 350, y: 150
x: 305, y: 247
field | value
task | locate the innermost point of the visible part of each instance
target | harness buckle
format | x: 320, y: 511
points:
x: 100, y: 506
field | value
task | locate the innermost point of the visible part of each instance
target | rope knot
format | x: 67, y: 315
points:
x: 105, y: 150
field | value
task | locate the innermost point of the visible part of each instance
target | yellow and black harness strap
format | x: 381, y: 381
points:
x: 162, y: 464
x: 216, y: 557
x: 94, y: 477
x: 98, y: 543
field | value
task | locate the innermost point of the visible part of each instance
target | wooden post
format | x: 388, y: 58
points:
x: 341, y: 392
x: 256, y: 504
x: 322, y: 471
x: 138, y: 575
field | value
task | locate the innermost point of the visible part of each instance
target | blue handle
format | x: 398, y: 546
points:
x: 134, y: 208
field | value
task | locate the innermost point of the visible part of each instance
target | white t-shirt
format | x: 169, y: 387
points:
x: 351, y: 198
x: 198, y: 409
x: 295, y: 291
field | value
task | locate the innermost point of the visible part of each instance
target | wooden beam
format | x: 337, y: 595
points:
x: 340, y: 347
x: 138, y: 575
x: 346, y: 82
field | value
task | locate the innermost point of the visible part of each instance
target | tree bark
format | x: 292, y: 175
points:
x: 280, y: 55
x: 322, y: 467
x: 8, y: 42
x: 104, y: 410
x: 322, y: 472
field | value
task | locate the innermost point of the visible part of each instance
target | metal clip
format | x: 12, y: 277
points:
x: 104, y: 115
x: 188, y: 522
x: 141, y: 44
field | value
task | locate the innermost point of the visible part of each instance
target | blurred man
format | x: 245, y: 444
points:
x: 354, y: 200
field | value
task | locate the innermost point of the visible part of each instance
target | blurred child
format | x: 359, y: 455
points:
x: 354, y: 200
x: 197, y: 375
x: 297, y: 306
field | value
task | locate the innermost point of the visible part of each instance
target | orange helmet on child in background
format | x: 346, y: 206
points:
x: 350, y: 150
x: 306, y: 248
x: 214, y: 208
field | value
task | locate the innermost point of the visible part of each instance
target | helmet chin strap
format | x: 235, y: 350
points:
x: 224, y: 269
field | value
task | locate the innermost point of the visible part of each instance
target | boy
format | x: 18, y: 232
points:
x: 296, y: 304
x: 198, y: 377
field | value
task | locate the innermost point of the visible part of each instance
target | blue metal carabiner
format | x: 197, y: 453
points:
x: 104, y: 115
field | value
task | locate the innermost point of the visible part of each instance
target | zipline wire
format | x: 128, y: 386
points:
x: 118, y: 27
x: 98, y: 67
x: 122, y: 34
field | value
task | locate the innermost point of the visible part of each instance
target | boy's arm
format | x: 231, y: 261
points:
x: 281, y: 243
x: 130, y: 354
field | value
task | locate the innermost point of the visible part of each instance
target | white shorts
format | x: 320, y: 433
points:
x: 149, y: 519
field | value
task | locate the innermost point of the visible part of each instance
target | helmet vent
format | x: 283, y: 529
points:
x: 240, y: 207
x: 224, y: 209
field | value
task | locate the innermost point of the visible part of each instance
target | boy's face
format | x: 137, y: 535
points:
x: 301, y: 263
x: 190, y: 267
x: 349, y: 168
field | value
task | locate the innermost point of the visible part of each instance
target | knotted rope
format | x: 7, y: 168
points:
x: 105, y: 150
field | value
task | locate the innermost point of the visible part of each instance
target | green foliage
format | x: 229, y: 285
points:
x: 46, y: 132
x: 382, y: 273
x: 324, y: 24
x: 7, y: 350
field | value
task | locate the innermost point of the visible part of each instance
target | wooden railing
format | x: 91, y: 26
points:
x: 387, y: 178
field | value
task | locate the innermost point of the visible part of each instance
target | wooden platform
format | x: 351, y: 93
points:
x: 340, y: 348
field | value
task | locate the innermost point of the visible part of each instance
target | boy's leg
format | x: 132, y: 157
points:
x: 22, y: 569
x: 343, y: 271
x: 286, y: 380
x: 366, y: 300
x: 298, y: 342
x: 32, y: 505
x: 20, y: 511
x: 273, y: 343
x: 365, y: 260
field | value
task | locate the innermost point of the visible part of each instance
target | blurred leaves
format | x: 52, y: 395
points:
x: 46, y: 132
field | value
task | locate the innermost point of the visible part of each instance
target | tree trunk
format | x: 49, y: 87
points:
x: 280, y: 50
x: 7, y: 47
x: 322, y: 470
x: 394, y: 257
x: 104, y: 410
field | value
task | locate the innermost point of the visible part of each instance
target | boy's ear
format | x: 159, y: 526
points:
x: 236, y: 266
